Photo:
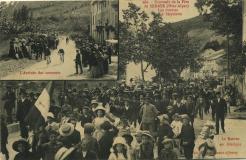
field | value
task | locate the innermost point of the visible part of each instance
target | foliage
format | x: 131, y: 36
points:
x: 168, y: 49
x: 133, y: 33
x: 22, y: 15
x: 226, y: 19
x: 172, y: 52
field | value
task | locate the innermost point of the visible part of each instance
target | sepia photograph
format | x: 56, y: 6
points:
x: 179, y: 90
x: 194, y: 51
x: 66, y: 40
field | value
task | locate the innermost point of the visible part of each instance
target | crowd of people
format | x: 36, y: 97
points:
x: 123, y: 122
x: 95, y: 55
x: 33, y: 46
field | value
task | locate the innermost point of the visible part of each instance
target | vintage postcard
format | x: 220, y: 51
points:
x: 180, y: 93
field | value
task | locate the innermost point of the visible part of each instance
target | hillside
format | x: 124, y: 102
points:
x: 56, y: 15
x: 198, y: 30
x: 64, y: 16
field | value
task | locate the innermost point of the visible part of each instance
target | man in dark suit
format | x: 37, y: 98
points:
x: 4, y: 137
x: 9, y: 104
x: 220, y: 112
x: 23, y: 107
x: 78, y: 62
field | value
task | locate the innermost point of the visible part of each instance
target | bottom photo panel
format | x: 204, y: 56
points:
x: 121, y: 120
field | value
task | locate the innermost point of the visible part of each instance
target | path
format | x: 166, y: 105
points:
x: 57, y: 70
x: 231, y: 144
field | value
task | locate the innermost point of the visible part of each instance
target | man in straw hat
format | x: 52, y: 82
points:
x: 68, y: 135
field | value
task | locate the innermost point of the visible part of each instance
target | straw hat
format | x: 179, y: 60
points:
x: 169, y: 107
x: 60, y: 154
x: 119, y: 140
x: 21, y: 141
x: 185, y: 116
x: 99, y: 107
x: 66, y: 129
x: 167, y: 140
x: 86, y: 107
x: 147, y: 133
x: 94, y: 101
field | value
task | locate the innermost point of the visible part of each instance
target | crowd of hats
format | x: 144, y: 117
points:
x: 100, y: 98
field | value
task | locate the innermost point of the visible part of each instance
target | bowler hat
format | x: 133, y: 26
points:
x: 23, y: 142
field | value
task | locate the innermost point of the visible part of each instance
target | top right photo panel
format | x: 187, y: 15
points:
x: 193, y: 51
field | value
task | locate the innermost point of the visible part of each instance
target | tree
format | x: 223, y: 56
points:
x: 172, y: 52
x: 167, y: 49
x: 226, y: 19
x: 134, y: 42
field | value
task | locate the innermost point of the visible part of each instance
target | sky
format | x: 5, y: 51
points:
x: 187, y: 13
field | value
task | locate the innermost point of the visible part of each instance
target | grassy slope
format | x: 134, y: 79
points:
x: 199, y: 30
x: 201, y: 33
x: 68, y: 15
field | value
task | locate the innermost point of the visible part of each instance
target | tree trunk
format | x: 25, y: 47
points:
x: 142, y: 70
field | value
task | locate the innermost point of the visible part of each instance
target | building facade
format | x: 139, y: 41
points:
x: 104, y: 20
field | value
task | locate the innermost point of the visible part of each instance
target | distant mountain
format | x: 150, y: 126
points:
x: 199, y: 30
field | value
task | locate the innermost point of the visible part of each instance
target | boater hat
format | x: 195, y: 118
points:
x: 94, y: 101
x: 60, y: 154
x: 167, y: 140
x: 23, y: 142
x: 100, y: 107
x: 66, y: 129
x: 146, y: 133
x: 119, y: 140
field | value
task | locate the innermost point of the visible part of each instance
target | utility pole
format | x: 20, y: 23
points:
x: 228, y: 55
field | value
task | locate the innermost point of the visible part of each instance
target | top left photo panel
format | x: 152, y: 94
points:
x: 59, y: 40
